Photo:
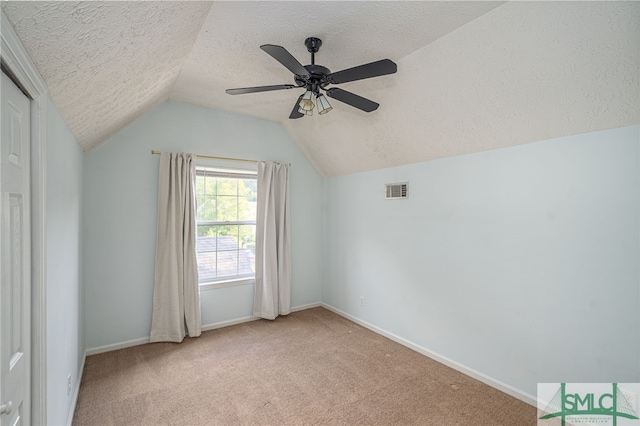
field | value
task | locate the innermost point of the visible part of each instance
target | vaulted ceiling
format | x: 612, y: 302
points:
x: 471, y: 75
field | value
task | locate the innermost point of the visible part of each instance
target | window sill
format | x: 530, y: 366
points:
x: 228, y: 283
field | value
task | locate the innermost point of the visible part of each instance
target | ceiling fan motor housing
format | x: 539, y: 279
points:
x: 313, y: 44
x: 317, y: 78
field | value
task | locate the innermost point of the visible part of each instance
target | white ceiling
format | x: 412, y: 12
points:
x: 226, y: 53
x: 471, y: 75
x: 106, y: 63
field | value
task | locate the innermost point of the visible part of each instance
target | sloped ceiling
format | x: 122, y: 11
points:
x: 471, y: 76
x: 523, y: 72
x: 106, y: 63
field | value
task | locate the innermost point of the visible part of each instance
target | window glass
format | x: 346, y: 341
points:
x: 226, y: 221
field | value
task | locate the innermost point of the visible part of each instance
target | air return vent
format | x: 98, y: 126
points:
x: 394, y: 191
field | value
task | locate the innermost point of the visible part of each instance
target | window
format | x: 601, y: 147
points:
x: 226, y: 221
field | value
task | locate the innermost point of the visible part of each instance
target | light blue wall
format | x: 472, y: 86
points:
x: 520, y: 263
x: 120, y: 216
x: 64, y: 288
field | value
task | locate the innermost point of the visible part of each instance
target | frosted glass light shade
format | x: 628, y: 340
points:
x: 323, y: 105
x: 306, y: 103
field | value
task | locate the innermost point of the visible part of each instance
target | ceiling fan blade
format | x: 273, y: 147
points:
x: 244, y: 90
x: 295, y: 113
x: 373, y: 69
x: 352, y: 99
x: 283, y: 56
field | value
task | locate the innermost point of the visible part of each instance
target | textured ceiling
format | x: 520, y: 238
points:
x: 106, y: 63
x: 471, y: 76
x: 227, y: 52
x: 523, y: 72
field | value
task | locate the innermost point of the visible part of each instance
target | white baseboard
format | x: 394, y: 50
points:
x: 228, y: 323
x: 76, y: 392
x: 143, y: 340
x: 248, y: 319
x: 116, y: 346
x: 307, y: 306
x: 501, y: 386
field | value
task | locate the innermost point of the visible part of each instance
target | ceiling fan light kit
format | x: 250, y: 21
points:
x: 323, y: 105
x: 306, y: 103
x: 314, y: 78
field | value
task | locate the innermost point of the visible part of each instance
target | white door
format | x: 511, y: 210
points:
x: 15, y: 247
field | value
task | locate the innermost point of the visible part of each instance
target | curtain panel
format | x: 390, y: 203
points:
x: 273, y: 242
x: 176, y: 293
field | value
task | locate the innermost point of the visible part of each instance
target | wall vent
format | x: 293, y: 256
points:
x: 394, y: 191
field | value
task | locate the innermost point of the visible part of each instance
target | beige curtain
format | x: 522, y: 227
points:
x: 176, y: 293
x: 273, y: 242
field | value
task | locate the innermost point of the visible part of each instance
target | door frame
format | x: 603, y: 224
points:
x: 17, y: 64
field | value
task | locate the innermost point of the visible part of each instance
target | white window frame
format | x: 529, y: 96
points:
x: 236, y: 173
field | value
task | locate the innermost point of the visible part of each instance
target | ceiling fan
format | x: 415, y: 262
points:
x: 314, y: 78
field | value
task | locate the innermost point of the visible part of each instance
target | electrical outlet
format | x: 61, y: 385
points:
x: 361, y: 300
x: 69, y: 384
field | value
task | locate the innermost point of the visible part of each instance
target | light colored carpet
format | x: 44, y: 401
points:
x: 312, y: 367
